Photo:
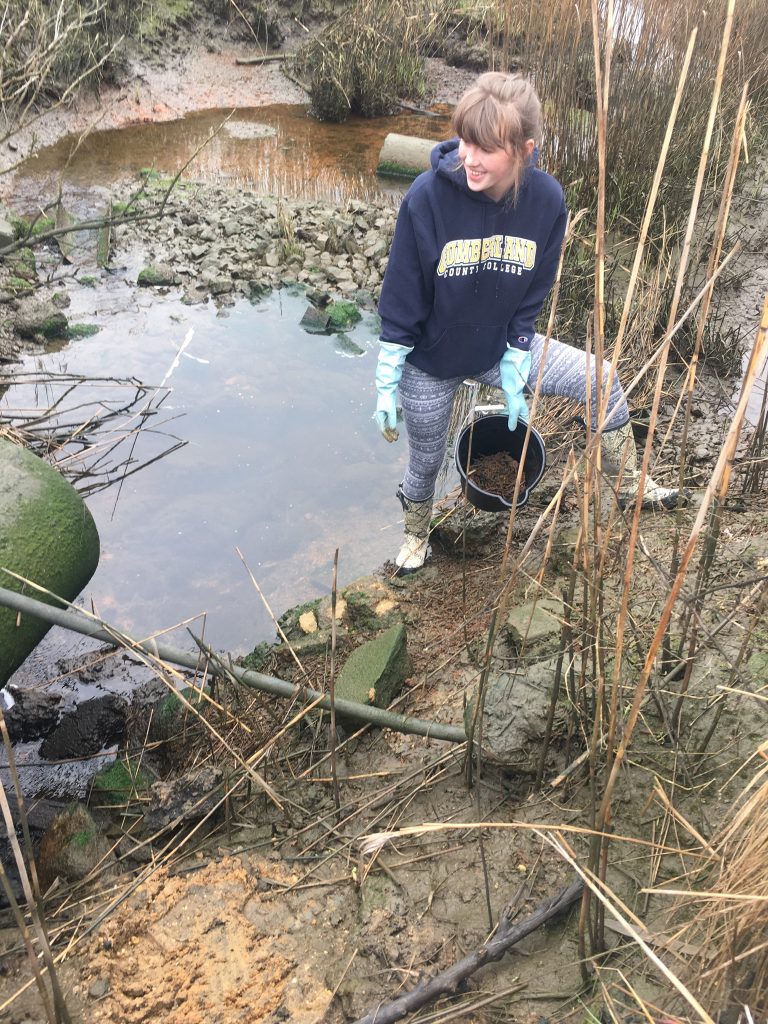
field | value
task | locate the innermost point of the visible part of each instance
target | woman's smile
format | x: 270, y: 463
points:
x: 491, y: 171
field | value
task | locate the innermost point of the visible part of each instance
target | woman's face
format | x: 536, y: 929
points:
x: 491, y: 171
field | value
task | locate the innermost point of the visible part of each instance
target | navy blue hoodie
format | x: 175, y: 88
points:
x: 467, y: 274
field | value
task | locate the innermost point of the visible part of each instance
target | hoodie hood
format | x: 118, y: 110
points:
x: 445, y: 162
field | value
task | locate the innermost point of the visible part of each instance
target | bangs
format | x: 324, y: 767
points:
x: 484, y: 122
x: 478, y: 122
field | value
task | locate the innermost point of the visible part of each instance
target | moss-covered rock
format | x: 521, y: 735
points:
x: 47, y: 535
x: 170, y: 714
x: 22, y: 264
x: 73, y: 847
x: 19, y: 286
x: 40, y: 318
x: 342, y: 315
x: 156, y: 275
x: 257, y: 658
x: 119, y: 783
x: 375, y: 671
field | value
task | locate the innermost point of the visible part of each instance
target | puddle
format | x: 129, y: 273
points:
x: 277, y: 150
x: 281, y: 459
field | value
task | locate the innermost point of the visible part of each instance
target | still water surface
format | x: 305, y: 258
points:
x: 275, y: 150
x: 282, y: 460
x: 281, y: 457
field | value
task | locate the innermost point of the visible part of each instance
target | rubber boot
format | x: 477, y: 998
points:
x: 614, y: 445
x: 415, y: 550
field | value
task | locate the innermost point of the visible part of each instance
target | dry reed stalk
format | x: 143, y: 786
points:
x: 598, y: 850
x: 717, y: 246
x: 723, y: 909
x: 31, y: 893
x: 717, y: 486
x: 621, y: 913
x: 662, y: 359
x: 272, y: 615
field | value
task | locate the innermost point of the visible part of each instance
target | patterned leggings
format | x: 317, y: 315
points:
x: 428, y: 401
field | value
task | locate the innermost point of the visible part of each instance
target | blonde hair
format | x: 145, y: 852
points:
x: 500, y: 112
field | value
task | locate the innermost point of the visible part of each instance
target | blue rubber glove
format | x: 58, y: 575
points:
x: 514, y: 367
x: 389, y: 370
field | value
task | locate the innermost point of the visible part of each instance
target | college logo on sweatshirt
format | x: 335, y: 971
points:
x: 507, y: 253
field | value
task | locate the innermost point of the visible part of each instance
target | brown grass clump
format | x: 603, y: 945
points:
x: 728, y: 910
x: 369, y: 59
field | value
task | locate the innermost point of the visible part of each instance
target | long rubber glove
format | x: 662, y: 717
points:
x: 389, y: 370
x: 514, y: 367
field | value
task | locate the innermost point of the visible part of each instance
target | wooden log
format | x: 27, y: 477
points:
x: 264, y: 58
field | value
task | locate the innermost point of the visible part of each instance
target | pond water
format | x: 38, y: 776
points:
x: 281, y: 460
x: 280, y: 456
x: 276, y: 150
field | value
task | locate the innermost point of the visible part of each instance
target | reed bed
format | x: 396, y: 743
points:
x: 647, y: 660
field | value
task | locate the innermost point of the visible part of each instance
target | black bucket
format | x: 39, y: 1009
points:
x: 490, y: 435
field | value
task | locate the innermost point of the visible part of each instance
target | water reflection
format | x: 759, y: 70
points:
x: 278, y: 150
x: 282, y: 460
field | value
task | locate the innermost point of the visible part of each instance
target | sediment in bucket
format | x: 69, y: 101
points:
x: 490, y: 435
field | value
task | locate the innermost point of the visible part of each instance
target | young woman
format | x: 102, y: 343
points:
x: 474, y: 256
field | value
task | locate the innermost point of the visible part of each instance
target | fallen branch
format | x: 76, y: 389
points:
x: 449, y: 980
x: 418, y: 110
x: 81, y: 622
x: 264, y: 58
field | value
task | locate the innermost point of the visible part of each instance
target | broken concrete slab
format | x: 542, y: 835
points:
x: 375, y: 671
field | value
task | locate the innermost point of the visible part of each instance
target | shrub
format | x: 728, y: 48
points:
x: 369, y: 59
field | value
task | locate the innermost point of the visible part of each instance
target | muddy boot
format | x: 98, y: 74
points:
x: 613, y: 446
x: 415, y: 549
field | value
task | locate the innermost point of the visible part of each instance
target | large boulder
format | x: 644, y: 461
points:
x: 47, y: 535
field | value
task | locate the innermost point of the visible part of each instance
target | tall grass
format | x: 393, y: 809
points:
x: 370, y: 57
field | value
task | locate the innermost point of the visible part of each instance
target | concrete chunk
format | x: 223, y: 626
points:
x: 535, y: 626
x: 375, y: 672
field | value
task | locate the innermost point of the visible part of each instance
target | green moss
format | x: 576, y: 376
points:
x: 118, y: 208
x: 172, y: 707
x: 118, y: 783
x: 374, y: 673
x: 342, y: 315
x: 23, y: 228
x: 289, y: 621
x: 87, y: 281
x: 42, y: 225
x: 22, y: 264
x: 257, y: 659
x: 396, y: 170
x: 360, y: 611
x: 18, y: 285
x: 149, y: 174
x: 161, y: 14
x: 151, y: 277
x: 82, y: 331
x: 54, y: 327
x: 82, y: 838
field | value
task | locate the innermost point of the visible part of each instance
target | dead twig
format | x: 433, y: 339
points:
x: 448, y: 981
